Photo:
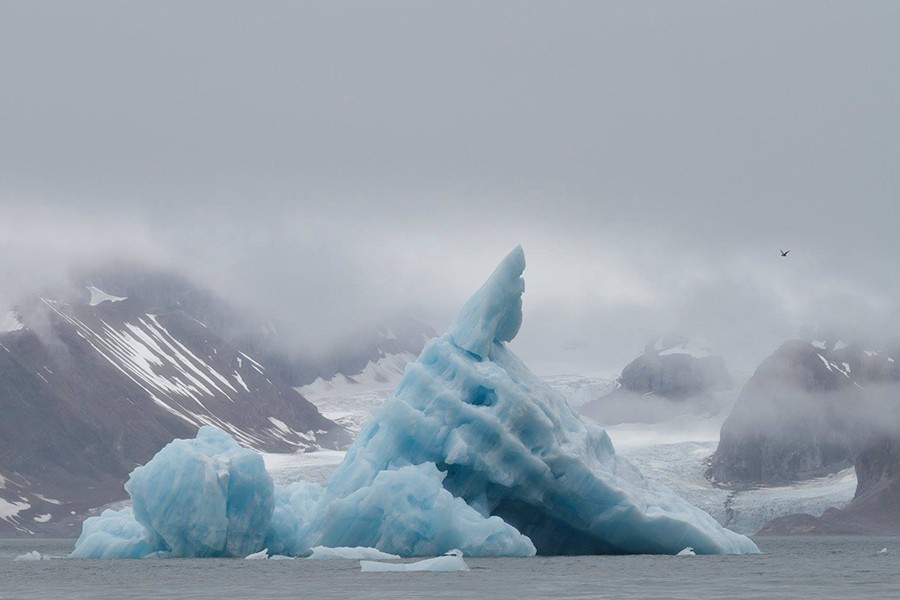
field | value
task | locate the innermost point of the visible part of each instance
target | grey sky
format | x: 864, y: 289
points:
x: 338, y: 159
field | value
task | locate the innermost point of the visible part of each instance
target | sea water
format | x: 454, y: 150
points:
x: 802, y: 567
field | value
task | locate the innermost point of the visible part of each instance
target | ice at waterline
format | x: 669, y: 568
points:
x: 472, y: 452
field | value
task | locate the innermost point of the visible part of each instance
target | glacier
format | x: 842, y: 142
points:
x: 472, y: 451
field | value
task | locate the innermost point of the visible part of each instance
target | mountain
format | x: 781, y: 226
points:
x: 875, y: 508
x: 806, y: 411
x: 96, y: 379
x: 370, y: 357
x: 674, y: 375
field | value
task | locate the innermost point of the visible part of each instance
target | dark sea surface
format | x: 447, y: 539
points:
x: 808, y: 567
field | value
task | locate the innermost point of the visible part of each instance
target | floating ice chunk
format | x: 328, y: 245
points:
x: 115, y: 534
x: 687, y: 552
x: 281, y: 557
x: 220, y: 504
x: 30, y: 556
x: 452, y: 561
x: 202, y: 497
x: 261, y: 555
x: 882, y: 551
x: 323, y: 553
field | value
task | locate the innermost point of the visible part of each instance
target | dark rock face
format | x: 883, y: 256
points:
x: 805, y: 412
x: 669, y: 378
x: 88, y: 392
x: 675, y: 376
x: 875, y: 508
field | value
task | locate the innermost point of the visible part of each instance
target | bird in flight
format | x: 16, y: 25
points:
x: 784, y: 253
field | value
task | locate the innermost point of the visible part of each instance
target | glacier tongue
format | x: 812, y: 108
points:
x: 472, y: 451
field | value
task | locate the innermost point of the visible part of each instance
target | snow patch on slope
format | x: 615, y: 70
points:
x: 9, y: 321
x: 8, y: 510
x: 98, y: 296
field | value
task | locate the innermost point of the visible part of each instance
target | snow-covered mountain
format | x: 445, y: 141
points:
x: 97, y: 379
x: 807, y: 411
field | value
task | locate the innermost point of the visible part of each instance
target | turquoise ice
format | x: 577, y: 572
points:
x: 472, y: 452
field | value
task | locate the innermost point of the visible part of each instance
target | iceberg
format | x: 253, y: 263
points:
x: 509, y: 447
x: 206, y: 497
x: 471, y: 452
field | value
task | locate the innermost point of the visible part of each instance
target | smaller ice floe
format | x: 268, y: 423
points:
x: 452, y: 561
x: 261, y: 555
x: 30, y: 556
x: 358, y: 553
x: 281, y: 557
x: 98, y: 296
x: 882, y: 551
x: 687, y: 552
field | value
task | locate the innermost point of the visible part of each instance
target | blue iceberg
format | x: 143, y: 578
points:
x: 196, y: 498
x: 510, y: 447
x: 472, y: 452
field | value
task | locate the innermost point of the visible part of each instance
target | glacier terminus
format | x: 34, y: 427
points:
x: 472, y: 452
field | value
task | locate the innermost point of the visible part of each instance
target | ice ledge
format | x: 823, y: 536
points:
x: 494, y: 314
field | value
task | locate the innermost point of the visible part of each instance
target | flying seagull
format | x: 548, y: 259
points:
x: 784, y: 253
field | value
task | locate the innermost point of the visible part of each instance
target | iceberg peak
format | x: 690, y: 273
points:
x: 493, y: 315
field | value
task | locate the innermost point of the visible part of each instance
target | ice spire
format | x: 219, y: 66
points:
x: 494, y: 313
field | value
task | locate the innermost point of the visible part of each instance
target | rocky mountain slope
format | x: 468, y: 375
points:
x: 95, y: 380
x: 806, y: 411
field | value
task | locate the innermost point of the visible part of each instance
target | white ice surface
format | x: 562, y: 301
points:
x: 314, y: 467
x: 358, y: 553
x: 439, y: 564
x: 30, y: 556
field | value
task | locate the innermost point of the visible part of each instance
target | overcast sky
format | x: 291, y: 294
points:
x: 341, y: 159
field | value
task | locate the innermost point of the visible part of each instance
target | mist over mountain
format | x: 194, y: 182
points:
x: 98, y: 375
x: 807, y: 411
x: 674, y: 376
